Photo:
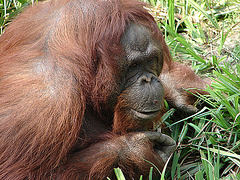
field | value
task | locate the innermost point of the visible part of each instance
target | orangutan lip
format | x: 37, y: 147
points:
x: 145, y: 114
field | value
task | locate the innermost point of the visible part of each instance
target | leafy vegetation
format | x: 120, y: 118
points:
x: 204, y: 34
x: 9, y: 9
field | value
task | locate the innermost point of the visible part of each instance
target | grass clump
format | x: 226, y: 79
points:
x: 205, y: 35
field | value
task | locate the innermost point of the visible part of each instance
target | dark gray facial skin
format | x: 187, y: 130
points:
x: 143, y: 91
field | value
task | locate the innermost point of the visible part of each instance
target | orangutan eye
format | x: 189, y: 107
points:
x: 152, y: 60
x: 134, y: 65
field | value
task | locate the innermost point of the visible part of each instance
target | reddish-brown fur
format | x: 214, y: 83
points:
x: 180, y: 84
x: 54, y: 62
x: 57, y: 70
x: 123, y: 123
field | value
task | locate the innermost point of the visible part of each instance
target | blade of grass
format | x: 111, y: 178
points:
x: 199, y: 175
x: 200, y: 9
x: 119, y: 174
x: 223, y: 39
x: 150, y: 173
x: 174, y: 164
x: 184, y: 43
x: 165, y: 167
x: 235, y: 161
x: 171, y: 14
x: 226, y: 81
x: 207, y: 166
x: 222, y: 152
x: 192, y: 116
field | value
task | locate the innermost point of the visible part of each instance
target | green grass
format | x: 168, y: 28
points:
x: 208, y: 141
x: 9, y: 9
x: 202, y: 34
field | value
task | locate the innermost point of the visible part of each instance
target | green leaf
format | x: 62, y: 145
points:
x: 119, y: 174
x: 195, y: 127
x: 184, y: 43
x: 199, y: 175
x: 150, y: 173
x: 171, y: 14
x: 200, y: 9
x: 225, y: 153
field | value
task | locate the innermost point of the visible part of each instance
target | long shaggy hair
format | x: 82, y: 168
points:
x: 57, y: 58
